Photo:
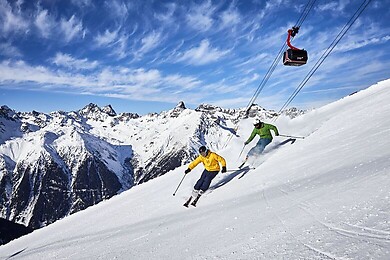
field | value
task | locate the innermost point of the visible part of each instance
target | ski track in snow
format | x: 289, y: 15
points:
x: 362, y: 234
x: 312, y: 248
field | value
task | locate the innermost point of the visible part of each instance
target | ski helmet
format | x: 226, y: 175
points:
x: 202, y: 149
x: 257, y: 121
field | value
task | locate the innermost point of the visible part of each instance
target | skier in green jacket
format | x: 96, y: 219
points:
x: 264, y: 131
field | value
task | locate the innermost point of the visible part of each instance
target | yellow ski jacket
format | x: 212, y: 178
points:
x: 210, y: 161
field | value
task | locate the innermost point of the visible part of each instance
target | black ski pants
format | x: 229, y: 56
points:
x: 205, y: 180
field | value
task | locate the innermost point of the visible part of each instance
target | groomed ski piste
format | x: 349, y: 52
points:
x: 324, y: 197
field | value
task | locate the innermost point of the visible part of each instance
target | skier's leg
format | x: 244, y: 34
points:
x: 254, y: 151
x: 262, y: 143
x: 199, y: 183
x: 259, y: 147
x: 195, y: 193
x: 206, y: 183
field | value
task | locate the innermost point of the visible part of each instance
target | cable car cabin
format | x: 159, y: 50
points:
x: 294, y: 57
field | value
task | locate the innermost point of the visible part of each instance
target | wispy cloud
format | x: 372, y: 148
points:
x: 202, y: 54
x: 149, y: 42
x: 230, y: 18
x: 11, y: 18
x: 117, y: 9
x: 72, y: 28
x: 121, y: 82
x: 270, y: 7
x: 82, y: 3
x: 106, y: 38
x: 166, y: 16
x: 8, y: 50
x: 360, y: 44
x: 120, y: 47
x: 335, y: 6
x: 184, y: 83
x: 19, y: 71
x: 200, y: 16
x: 45, y: 23
x: 66, y: 60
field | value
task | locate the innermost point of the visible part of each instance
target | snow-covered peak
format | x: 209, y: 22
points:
x: 127, y: 116
x: 7, y: 113
x: 94, y: 112
x: 176, y: 111
x: 210, y: 108
x: 181, y: 105
x: 109, y: 110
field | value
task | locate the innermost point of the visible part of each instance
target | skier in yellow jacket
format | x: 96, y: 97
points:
x: 211, y: 163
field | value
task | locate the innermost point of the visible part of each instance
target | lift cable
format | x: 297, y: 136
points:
x: 326, y: 53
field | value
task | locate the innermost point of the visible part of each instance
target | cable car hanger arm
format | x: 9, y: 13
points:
x: 291, y: 33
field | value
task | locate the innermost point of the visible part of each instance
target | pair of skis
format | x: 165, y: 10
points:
x: 243, y: 163
x: 193, y: 203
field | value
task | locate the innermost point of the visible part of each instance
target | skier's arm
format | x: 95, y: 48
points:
x: 221, y: 160
x: 194, y: 163
x: 275, y: 130
x: 251, y: 137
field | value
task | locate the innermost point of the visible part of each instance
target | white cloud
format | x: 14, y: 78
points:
x: 119, y: 82
x: 335, y: 6
x: 331, y: 6
x: 82, y: 3
x: 8, y: 50
x: 116, y: 41
x: 68, y: 61
x: 117, y: 9
x: 19, y: 71
x: 203, y: 54
x: 200, y: 17
x: 230, y: 18
x: 106, y: 38
x: 183, y: 82
x: 360, y: 44
x: 168, y: 16
x: 72, y: 28
x: 45, y: 23
x: 11, y: 19
x: 145, y: 77
x: 120, y: 48
x: 270, y: 7
x: 149, y: 42
x: 273, y: 4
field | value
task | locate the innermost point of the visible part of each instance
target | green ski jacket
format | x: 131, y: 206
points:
x: 263, y: 132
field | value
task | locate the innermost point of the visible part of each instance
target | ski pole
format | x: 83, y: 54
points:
x: 301, y: 137
x: 241, y: 151
x: 179, y: 184
x: 240, y: 170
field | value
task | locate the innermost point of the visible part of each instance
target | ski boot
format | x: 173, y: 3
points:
x: 196, y: 200
x: 187, y: 202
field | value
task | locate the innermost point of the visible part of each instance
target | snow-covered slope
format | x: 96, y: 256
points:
x: 324, y: 197
x: 68, y: 161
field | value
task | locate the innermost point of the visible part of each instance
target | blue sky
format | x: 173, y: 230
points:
x: 146, y: 56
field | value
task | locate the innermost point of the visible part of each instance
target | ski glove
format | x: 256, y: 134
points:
x: 187, y: 171
x: 223, y: 169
